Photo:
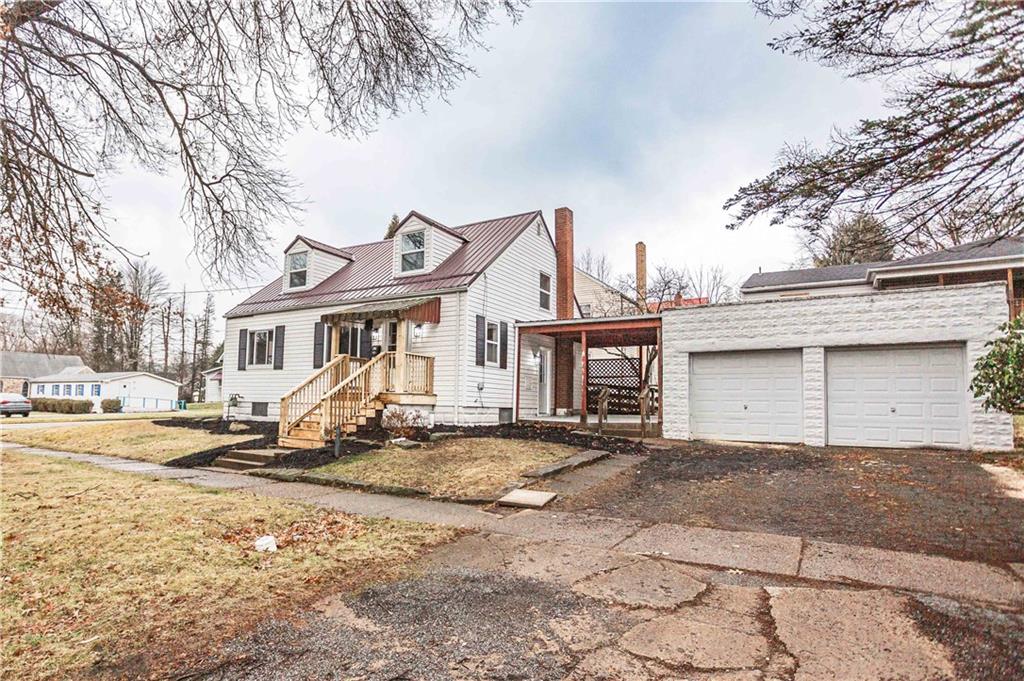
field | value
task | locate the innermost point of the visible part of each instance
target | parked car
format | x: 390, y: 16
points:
x: 13, y: 403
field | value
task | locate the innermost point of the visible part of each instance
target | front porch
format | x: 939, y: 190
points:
x: 367, y: 367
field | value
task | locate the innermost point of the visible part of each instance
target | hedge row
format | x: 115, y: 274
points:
x: 61, y: 406
x: 111, y: 406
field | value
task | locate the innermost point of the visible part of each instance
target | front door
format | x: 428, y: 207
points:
x: 543, y: 390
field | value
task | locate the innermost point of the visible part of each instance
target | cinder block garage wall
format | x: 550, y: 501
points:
x: 964, y: 314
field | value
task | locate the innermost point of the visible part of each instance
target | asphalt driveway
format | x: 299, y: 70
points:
x: 937, y: 502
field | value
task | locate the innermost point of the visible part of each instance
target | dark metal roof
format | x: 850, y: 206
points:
x: 32, y: 364
x: 810, y: 275
x: 320, y: 246
x: 370, y: 274
x: 996, y: 247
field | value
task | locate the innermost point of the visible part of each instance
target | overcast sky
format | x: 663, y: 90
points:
x: 643, y: 119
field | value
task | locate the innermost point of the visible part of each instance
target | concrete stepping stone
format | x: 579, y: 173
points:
x: 527, y: 498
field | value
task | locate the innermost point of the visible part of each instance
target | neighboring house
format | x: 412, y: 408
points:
x: 138, y: 391
x: 212, y: 379
x: 422, y: 322
x: 994, y: 259
x: 17, y: 369
x: 599, y: 299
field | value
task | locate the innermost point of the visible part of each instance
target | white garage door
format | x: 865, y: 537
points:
x: 906, y: 397
x: 749, y: 396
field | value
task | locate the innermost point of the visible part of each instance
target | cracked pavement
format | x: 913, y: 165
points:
x: 505, y: 607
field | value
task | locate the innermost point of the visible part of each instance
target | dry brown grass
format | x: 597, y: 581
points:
x: 459, y: 467
x: 127, y: 575
x: 142, y: 440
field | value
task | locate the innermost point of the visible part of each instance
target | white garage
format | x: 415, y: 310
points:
x: 885, y: 369
x: 897, y: 397
x: 750, y: 396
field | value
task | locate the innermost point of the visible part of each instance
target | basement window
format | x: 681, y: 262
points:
x: 297, y: 269
x: 545, y: 291
x: 413, y: 251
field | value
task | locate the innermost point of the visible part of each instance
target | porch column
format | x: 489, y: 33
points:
x: 583, y: 390
x: 401, y: 384
x: 661, y: 385
x: 335, y: 339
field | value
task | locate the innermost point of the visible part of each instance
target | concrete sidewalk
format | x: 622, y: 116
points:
x: 787, y: 556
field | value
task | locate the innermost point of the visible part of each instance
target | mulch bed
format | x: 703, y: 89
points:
x: 549, y: 433
x: 928, y: 501
x: 321, y: 456
x: 264, y: 435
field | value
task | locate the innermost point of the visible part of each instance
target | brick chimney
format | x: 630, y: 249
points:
x: 565, y: 277
x: 641, y: 275
x: 565, y: 308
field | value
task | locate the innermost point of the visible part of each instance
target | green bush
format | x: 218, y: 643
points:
x: 58, y: 405
x: 999, y: 373
x: 110, y: 406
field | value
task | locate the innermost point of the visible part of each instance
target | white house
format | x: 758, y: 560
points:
x: 423, y: 322
x: 138, y: 391
x: 212, y: 379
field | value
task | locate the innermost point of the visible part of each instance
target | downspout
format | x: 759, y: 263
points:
x: 461, y: 323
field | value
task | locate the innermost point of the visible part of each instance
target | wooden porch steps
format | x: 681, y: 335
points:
x: 306, y: 433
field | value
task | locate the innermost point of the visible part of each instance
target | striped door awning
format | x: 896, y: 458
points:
x: 420, y: 310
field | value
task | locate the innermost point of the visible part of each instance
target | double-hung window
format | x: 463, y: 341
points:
x: 297, y: 264
x: 55, y: 390
x: 261, y: 347
x: 545, y: 291
x: 40, y: 389
x: 491, y: 343
x: 67, y: 390
x: 413, y: 251
x: 94, y: 390
x: 80, y: 390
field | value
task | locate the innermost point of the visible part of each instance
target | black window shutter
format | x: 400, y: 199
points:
x: 366, y: 340
x: 243, y: 336
x: 503, y: 345
x: 327, y: 342
x: 279, y: 347
x: 481, y: 331
x: 318, y: 345
x: 343, y: 340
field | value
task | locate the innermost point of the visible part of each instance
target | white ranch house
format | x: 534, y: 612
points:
x: 138, y: 391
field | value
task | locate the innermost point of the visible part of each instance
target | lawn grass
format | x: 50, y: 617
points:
x: 468, y: 467
x: 141, y: 440
x: 201, y: 410
x: 125, y: 575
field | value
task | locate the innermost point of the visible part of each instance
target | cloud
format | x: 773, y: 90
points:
x: 642, y: 118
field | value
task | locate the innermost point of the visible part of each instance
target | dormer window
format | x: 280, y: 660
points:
x: 413, y: 251
x: 295, y: 267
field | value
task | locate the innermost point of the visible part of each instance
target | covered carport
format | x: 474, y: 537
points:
x: 553, y: 356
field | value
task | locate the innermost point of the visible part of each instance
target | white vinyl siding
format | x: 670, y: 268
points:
x: 897, y: 397
x: 498, y: 296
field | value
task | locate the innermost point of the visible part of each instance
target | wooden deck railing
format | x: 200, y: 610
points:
x: 343, y: 404
x: 304, y: 398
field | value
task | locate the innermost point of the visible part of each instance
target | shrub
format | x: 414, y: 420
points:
x: 999, y: 373
x: 403, y: 423
x: 111, y: 406
x: 61, y: 406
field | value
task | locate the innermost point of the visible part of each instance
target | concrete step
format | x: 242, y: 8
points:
x: 235, y: 464
x: 259, y: 456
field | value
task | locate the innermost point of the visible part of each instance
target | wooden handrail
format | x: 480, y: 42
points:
x: 307, y: 396
x: 316, y: 374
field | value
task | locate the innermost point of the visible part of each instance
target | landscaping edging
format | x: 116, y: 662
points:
x: 302, y: 475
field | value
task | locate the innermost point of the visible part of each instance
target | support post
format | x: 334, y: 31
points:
x: 583, y: 390
x: 519, y: 373
x: 401, y: 384
x: 661, y: 385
